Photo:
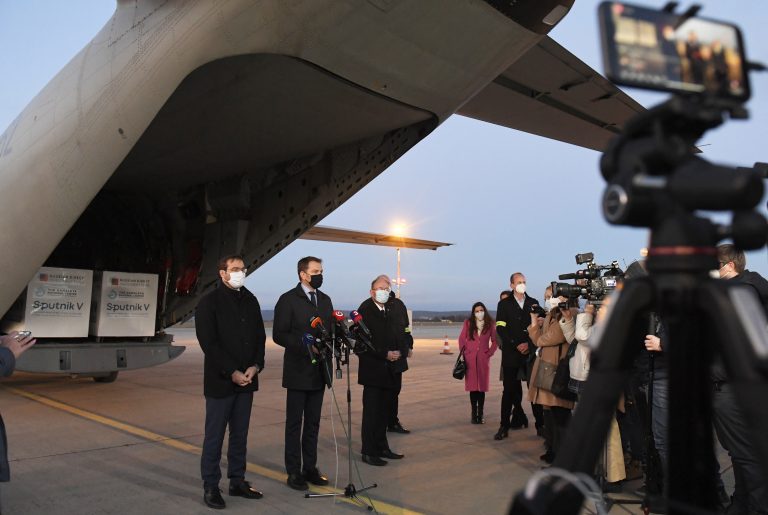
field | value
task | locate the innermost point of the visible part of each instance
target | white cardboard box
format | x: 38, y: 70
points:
x: 124, y: 304
x: 58, y: 303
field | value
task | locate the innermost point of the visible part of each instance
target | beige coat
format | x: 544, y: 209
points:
x: 548, y: 338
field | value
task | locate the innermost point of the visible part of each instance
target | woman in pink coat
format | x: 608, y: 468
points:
x: 478, y: 342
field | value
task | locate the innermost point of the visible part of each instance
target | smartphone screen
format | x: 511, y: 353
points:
x: 651, y: 49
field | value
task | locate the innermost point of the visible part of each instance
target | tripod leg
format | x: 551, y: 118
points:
x: 612, y: 357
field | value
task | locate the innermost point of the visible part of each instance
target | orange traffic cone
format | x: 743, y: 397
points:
x: 446, y: 346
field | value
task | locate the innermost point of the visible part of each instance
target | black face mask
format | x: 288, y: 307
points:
x: 316, y: 281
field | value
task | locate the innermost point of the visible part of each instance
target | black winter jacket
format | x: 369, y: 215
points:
x: 512, y: 327
x: 231, y: 333
x: 293, y: 313
x: 374, y: 368
x: 760, y: 286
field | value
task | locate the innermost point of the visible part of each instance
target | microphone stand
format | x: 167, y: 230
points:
x: 350, y: 491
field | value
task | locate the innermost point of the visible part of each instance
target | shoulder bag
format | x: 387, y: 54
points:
x: 460, y: 368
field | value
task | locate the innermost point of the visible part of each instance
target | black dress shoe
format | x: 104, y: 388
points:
x: 398, y: 428
x: 245, y: 489
x: 503, y: 432
x: 373, y: 460
x: 315, y: 477
x: 392, y: 455
x: 297, y: 482
x: 213, y: 499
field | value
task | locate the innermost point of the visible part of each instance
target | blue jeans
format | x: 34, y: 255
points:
x: 660, y: 421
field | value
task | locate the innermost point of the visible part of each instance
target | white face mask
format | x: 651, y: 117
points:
x: 520, y: 288
x: 714, y: 274
x: 554, y: 302
x: 382, y: 296
x: 236, y: 279
x: 480, y: 315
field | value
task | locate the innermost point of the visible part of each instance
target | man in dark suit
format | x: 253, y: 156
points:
x: 231, y: 333
x: 379, y: 370
x: 399, y: 313
x: 303, y: 379
x: 512, y: 319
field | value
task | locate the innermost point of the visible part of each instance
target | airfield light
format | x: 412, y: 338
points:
x: 399, y: 231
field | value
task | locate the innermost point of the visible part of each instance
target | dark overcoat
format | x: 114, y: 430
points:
x: 512, y: 327
x: 293, y: 313
x: 230, y: 330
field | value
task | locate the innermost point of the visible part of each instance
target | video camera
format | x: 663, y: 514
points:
x: 593, y: 283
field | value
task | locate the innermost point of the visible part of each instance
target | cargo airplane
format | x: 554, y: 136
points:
x: 190, y: 129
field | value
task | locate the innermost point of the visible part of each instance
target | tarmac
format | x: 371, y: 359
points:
x: 133, y: 446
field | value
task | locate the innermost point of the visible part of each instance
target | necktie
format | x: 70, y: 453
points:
x: 312, y: 298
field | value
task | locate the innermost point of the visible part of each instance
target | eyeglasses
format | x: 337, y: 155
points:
x: 237, y: 269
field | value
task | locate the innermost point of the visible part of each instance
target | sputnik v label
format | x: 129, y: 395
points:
x: 58, y: 303
x: 125, y: 304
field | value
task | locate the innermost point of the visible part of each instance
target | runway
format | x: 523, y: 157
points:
x: 132, y: 446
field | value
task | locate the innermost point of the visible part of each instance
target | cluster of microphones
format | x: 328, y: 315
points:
x: 355, y: 337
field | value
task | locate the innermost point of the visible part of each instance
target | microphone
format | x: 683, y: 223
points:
x: 339, y: 318
x: 317, y: 323
x: 357, y: 318
x: 308, y: 340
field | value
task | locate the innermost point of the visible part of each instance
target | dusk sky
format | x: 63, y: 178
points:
x: 508, y: 201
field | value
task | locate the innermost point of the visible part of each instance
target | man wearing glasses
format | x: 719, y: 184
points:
x: 231, y: 333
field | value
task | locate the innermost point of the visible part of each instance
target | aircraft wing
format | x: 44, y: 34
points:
x: 336, y: 235
x: 552, y: 93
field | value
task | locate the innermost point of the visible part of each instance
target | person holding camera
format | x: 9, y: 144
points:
x: 478, y: 343
x: 380, y: 371
x: 512, y: 316
x: 550, y: 338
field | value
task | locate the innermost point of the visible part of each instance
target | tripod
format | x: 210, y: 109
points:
x: 655, y: 181
x: 341, y: 355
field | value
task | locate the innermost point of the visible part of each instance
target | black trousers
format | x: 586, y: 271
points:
x: 556, y: 420
x: 376, y: 407
x: 233, y: 411
x: 301, y: 443
x: 512, y: 396
x: 750, y: 493
x: 392, y: 419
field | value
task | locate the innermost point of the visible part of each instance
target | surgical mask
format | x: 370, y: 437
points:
x: 480, y: 315
x: 316, y: 281
x: 554, y: 302
x: 382, y: 296
x: 520, y: 288
x: 236, y: 279
x: 714, y: 274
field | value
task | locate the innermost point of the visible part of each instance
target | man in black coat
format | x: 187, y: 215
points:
x: 380, y: 370
x: 750, y: 492
x: 399, y: 314
x: 304, y: 381
x: 512, y: 320
x: 230, y: 330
